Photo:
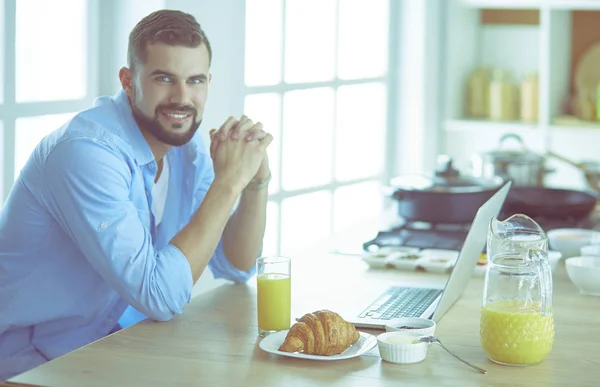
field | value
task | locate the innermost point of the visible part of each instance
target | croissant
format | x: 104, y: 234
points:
x: 320, y: 333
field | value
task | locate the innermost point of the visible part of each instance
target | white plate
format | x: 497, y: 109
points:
x: 365, y: 343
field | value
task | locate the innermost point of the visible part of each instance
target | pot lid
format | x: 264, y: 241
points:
x: 506, y: 155
x: 512, y: 155
x: 460, y: 184
x: 446, y: 179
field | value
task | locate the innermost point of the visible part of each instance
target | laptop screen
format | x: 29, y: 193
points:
x: 470, y: 252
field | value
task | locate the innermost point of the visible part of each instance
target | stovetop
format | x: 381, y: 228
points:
x: 451, y: 236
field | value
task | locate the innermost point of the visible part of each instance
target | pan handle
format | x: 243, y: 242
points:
x: 566, y: 160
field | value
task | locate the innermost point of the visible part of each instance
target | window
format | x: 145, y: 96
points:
x: 316, y: 74
x: 44, y: 77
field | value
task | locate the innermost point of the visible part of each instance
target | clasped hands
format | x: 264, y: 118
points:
x: 238, y: 149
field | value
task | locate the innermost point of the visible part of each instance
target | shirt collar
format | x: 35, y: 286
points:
x: 142, y: 152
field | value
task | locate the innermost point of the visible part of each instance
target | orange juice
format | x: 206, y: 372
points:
x: 273, y: 302
x: 515, y: 332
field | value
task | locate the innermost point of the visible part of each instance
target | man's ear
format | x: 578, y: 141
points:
x: 209, y: 77
x: 126, y: 78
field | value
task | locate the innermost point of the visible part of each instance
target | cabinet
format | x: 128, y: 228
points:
x: 547, y: 37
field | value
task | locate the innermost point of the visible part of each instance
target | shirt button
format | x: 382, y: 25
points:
x: 103, y: 225
x: 110, y: 322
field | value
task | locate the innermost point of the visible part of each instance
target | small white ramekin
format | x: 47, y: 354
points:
x: 401, y: 353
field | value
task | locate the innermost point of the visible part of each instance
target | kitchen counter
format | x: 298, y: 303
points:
x: 215, y: 342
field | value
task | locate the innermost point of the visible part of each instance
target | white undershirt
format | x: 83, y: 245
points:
x: 159, y: 192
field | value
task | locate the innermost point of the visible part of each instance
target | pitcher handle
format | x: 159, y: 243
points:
x: 540, y: 260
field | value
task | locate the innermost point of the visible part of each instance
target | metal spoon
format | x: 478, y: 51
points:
x: 433, y: 339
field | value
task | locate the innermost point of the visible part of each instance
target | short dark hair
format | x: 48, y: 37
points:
x: 171, y: 27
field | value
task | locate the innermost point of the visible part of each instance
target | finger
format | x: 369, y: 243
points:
x: 264, y: 143
x: 213, y: 143
x: 243, y: 125
x: 256, y: 133
x: 213, y: 148
x: 211, y: 133
x: 226, y: 127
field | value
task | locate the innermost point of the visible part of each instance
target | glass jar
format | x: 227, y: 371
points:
x: 517, y: 325
x: 478, y: 93
x: 529, y: 98
x: 503, y: 97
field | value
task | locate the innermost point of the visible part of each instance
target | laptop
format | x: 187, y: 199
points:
x: 432, y: 302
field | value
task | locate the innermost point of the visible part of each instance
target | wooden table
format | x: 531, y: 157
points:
x: 215, y: 343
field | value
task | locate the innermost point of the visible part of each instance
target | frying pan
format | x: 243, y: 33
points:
x: 551, y: 203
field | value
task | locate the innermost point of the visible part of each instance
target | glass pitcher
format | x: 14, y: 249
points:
x: 517, y: 327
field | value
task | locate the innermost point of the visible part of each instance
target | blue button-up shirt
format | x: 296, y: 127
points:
x: 78, y: 242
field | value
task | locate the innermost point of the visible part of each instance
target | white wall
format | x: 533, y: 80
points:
x: 420, y: 86
x: 118, y: 18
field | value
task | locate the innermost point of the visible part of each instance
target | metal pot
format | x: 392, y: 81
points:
x: 447, y: 197
x: 524, y: 167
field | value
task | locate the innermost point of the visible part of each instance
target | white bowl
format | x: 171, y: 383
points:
x: 553, y: 258
x: 584, y: 272
x: 590, y: 250
x: 415, y: 326
x: 400, y: 348
x: 569, y: 241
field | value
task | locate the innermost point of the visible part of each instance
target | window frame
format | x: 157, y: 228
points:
x: 10, y: 110
x: 389, y: 80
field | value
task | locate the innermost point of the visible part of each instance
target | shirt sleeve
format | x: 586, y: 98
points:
x: 222, y: 268
x: 87, y: 186
x: 219, y: 264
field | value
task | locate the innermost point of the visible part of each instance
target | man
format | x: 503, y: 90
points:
x: 124, y: 205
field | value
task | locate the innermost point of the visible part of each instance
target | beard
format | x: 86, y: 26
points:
x: 153, y: 126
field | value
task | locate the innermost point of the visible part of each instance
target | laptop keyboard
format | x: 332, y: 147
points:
x: 401, y: 302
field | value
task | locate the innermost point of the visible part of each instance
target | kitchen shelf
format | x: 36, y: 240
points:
x: 574, y: 5
x: 505, y: 34
x: 503, y: 4
x: 489, y: 126
x: 591, y: 130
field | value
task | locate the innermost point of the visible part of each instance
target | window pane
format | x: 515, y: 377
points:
x: 355, y: 203
x: 266, y: 108
x: 309, y: 40
x: 270, y: 241
x: 363, y: 39
x: 307, y: 138
x: 29, y: 131
x: 305, y: 220
x: 263, y: 42
x: 51, y: 54
x: 361, y: 130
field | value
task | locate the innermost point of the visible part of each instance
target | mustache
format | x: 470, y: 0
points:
x: 181, y: 108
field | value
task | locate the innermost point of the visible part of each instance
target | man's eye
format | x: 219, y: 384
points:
x: 198, y: 81
x: 163, y: 79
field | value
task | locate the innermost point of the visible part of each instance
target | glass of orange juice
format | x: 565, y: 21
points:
x: 517, y: 325
x: 273, y: 279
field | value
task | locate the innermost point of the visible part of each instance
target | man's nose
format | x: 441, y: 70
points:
x: 179, y: 94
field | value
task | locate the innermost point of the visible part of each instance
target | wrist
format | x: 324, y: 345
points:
x: 227, y: 186
x: 258, y: 183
